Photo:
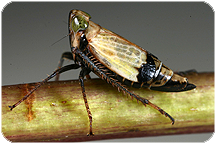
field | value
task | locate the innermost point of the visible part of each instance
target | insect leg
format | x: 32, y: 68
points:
x: 143, y: 100
x: 184, y: 73
x: 66, y: 56
x: 58, y: 71
x: 160, y: 110
x: 117, y: 84
x: 84, y: 72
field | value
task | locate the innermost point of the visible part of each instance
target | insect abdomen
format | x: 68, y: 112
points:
x: 134, y: 66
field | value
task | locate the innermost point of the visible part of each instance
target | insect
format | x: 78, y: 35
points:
x: 114, y: 59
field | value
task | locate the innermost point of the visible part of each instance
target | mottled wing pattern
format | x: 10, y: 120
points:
x: 118, y: 54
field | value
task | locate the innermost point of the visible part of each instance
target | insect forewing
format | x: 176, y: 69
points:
x: 118, y: 54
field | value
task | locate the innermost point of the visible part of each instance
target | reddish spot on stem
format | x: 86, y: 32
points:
x: 64, y: 101
x: 29, y: 102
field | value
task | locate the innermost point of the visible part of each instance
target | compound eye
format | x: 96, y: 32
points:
x: 79, y: 23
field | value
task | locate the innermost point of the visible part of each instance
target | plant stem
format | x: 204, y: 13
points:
x: 56, y: 111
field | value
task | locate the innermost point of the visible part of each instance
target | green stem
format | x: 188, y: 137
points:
x: 56, y: 111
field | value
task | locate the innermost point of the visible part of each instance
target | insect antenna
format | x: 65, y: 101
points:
x: 61, y: 39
